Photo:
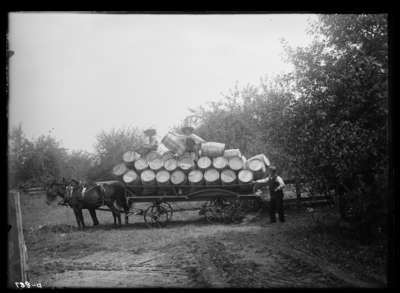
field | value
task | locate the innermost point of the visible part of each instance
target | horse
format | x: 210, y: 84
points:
x: 91, y: 196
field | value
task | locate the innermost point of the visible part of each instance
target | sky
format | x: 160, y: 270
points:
x: 75, y: 74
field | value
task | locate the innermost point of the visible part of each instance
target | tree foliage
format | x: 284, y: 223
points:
x: 110, y: 147
x: 338, y: 126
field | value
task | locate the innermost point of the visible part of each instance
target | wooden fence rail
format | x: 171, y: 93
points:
x: 36, y: 190
x: 17, y: 266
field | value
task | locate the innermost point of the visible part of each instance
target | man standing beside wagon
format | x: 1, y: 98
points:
x: 275, y: 184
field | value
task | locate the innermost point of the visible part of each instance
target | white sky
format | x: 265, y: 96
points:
x: 75, y: 74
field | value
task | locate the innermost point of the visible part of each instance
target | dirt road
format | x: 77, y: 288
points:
x: 248, y: 253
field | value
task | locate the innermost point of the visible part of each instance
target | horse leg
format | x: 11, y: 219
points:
x: 94, y: 217
x: 79, y: 218
x: 116, y: 214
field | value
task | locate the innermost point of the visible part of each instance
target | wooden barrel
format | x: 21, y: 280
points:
x: 258, y: 168
x: 260, y: 157
x: 132, y: 180
x: 244, y: 178
x: 179, y: 179
x: 119, y: 170
x: 220, y: 163
x: 204, y: 163
x: 232, y: 153
x: 171, y: 165
x: 186, y: 154
x: 148, y: 179
x: 163, y: 179
x: 130, y: 157
x: 141, y: 165
x: 196, y: 178
x: 173, y: 143
x: 212, y: 149
x: 212, y: 177
x: 167, y: 155
x: 229, y: 179
x: 156, y: 164
x: 236, y: 164
x: 186, y: 164
x: 152, y: 155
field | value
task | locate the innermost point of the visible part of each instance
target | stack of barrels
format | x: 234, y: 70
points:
x: 168, y: 174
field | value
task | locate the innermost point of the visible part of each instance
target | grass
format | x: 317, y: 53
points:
x: 322, y: 235
x: 51, y: 234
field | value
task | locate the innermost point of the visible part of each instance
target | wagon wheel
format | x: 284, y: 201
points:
x: 219, y: 210
x: 156, y: 216
x: 250, y: 205
x: 167, y: 207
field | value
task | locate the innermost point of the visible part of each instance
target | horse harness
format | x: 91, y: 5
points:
x: 69, y: 191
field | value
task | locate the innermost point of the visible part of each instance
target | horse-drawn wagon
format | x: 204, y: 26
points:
x: 217, y: 205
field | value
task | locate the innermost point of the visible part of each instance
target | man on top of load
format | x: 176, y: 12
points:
x: 153, y: 142
x: 191, y: 141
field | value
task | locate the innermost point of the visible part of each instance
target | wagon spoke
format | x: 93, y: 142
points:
x: 156, y: 216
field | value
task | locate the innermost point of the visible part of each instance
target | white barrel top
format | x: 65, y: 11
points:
x: 195, y: 176
x: 220, y: 163
x: 178, y: 177
x: 228, y: 176
x: 171, y: 165
x: 245, y: 176
x: 147, y: 176
x: 141, y: 164
x: 131, y: 177
x: 151, y: 155
x: 204, y: 163
x: 236, y: 163
x: 211, y: 175
x: 156, y: 164
x: 130, y: 156
x: 120, y: 169
x: 163, y: 176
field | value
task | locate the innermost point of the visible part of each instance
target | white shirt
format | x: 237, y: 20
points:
x: 278, y: 179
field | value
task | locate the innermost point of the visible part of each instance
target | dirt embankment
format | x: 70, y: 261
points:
x: 248, y: 253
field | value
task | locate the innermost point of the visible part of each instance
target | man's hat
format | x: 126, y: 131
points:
x: 272, y: 168
x: 150, y: 132
x: 190, y: 128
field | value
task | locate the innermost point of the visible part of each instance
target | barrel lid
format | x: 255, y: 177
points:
x: 141, y: 164
x: 178, y: 177
x: 245, y: 175
x: 256, y: 165
x: 156, y: 163
x: 163, y: 176
x: 130, y: 176
x: 220, y: 162
x: 186, y: 163
x: 236, y: 163
x: 167, y: 155
x: 151, y: 155
x: 171, y: 164
x: 195, y: 176
x: 211, y: 175
x: 204, y: 162
x: 228, y: 176
x: 119, y: 169
x: 130, y: 156
x: 147, y: 176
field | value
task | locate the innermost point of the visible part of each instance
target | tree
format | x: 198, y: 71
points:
x: 110, y: 147
x: 337, y: 127
x: 18, y: 150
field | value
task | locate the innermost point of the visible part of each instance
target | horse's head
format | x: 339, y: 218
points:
x: 55, y: 189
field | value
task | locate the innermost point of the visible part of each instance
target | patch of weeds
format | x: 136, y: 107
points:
x: 324, y: 236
